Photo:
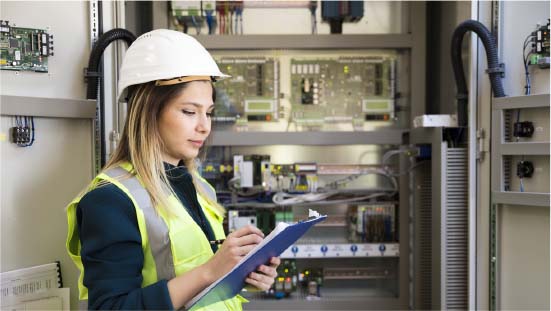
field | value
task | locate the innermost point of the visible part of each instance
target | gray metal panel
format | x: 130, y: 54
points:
x: 266, y: 42
x: 522, y: 258
x: 521, y: 148
x: 501, y: 180
x: 498, y: 127
x: 424, y: 135
x: 521, y: 198
x: 47, y: 107
x: 529, y: 101
x: 404, y: 281
x: 423, y: 237
x: 380, y: 137
x: 418, y: 57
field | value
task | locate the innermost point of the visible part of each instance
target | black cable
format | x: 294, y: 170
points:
x: 95, y: 76
x: 313, y: 8
x: 525, y: 60
x: 458, y: 136
x: 494, y: 67
x: 101, y: 44
x: 31, y: 131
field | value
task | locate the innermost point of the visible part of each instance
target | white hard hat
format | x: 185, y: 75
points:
x: 165, y: 54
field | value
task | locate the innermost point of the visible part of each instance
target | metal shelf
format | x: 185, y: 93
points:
x: 266, y: 42
x: 514, y: 102
x: 260, y: 205
x: 47, y: 107
x: 522, y: 148
x: 521, y: 198
x: 379, y: 137
x: 369, y: 299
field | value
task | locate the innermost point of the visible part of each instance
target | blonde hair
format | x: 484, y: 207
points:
x: 142, y: 145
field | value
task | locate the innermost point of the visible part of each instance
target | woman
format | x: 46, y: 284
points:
x: 140, y: 232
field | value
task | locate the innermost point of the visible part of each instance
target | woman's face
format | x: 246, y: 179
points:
x: 185, y: 121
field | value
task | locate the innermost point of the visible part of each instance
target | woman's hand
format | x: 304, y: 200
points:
x: 237, y: 244
x: 264, y: 276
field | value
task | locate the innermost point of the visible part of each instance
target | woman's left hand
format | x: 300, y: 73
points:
x: 264, y: 276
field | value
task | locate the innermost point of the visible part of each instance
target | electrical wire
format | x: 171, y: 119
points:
x: 25, y: 128
x: 239, y: 19
x: 521, y: 184
x: 196, y: 24
x: 230, y: 18
x: 31, y: 142
x: 221, y: 9
x: 525, y: 62
x: 381, y: 172
x: 210, y: 21
x: 283, y: 198
x: 458, y: 137
x: 313, y: 7
x: 253, y: 191
x: 227, y: 21
x: 521, y: 179
x: 391, y: 153
x: 518, y: 120
x: 412, y: 151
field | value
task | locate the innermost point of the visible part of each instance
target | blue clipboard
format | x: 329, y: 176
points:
x: 233, y: 282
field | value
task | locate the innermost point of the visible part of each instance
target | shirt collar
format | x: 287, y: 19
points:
x: 176, y: 173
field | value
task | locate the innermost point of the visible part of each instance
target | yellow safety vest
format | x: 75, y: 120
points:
x: 172, y: 245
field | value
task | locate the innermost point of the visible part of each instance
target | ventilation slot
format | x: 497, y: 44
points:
x: 455, y: 213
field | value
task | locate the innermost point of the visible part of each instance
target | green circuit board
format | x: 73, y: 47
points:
x: 250, y: 94
x: 25, y: 49
x: 346, y: 89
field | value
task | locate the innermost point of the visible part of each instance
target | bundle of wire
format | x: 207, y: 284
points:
x: 332, y: 190
x: 25, y: 124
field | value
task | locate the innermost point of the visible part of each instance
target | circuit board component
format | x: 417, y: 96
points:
x: 24, y: 49
x: 346, y: 89
x: 251, y: 94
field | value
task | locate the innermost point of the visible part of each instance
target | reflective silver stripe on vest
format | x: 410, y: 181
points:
x: 157, y: 231
x: 207, y: 190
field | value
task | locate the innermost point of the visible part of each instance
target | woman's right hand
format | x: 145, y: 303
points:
x: 237, y: 244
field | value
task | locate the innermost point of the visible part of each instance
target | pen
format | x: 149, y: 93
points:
x: 217, y: 241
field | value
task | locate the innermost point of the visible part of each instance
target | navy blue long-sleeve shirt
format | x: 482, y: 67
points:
x: 111, y: 246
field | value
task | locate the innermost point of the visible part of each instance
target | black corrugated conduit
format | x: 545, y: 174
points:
x: 495, y: 69
x: 94, y: 75
x: 95, y: 57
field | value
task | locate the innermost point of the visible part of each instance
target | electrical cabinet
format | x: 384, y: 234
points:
x: 520, y: 187
x: 299, y: 120
x: 356, y: 257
